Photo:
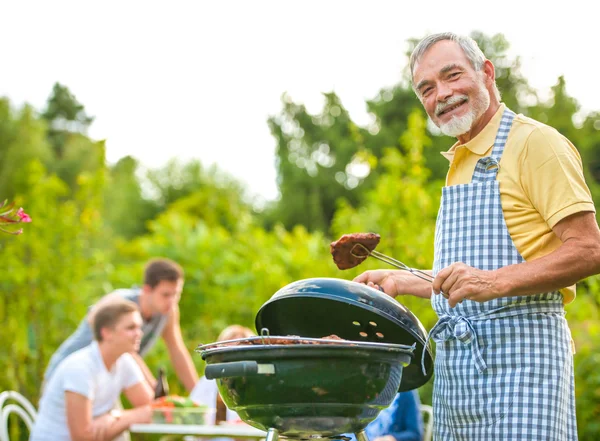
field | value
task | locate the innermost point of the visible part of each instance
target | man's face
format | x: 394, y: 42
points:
x: 454, y: 95
x: 165, y: 295
x: 127, y: 333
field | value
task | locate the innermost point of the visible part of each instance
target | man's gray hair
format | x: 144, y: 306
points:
x: 467, y: 44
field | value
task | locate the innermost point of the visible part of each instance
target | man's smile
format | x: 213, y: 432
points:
x: 451, y: 107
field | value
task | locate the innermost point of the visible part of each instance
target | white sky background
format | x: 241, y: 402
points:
x: 198, y: 79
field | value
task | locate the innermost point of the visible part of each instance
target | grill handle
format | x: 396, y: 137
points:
x: 237, y: 369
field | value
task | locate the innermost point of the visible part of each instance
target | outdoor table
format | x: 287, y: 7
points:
x: 206, y: 431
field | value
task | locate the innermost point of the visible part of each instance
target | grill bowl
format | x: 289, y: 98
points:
x: 304, y: 390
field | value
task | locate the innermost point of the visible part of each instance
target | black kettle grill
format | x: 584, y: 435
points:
x: 309, y: 386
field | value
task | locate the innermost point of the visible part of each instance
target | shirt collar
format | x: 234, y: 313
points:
x: 484, y: 140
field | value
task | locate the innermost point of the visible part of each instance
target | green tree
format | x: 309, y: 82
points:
x: 319, y: 158
x: 127, y: 209
x: 22, y: 138
x: 67, y: 125
x: 65, y: 116
x: 558, y: 111
x: 177, y: 180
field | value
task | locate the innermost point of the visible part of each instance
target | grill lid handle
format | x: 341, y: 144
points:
x: 237, y: 369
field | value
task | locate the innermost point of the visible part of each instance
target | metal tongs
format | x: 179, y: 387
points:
x: 393, y: 262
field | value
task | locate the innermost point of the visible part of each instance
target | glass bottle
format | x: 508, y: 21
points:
x: 162, y: 387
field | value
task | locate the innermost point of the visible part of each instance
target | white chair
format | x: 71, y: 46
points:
x: 427, y: 412
x: 23, y: 408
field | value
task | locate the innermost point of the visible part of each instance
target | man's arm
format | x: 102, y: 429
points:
x: 396, y: 282
x: 180, y: 357
x: 83, y: 428
x: 136, y: 388
x: 577, y: 258
x: 139, y: 394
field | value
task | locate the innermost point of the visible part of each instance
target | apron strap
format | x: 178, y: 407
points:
x: 487, y: 167
x: 502, y: 134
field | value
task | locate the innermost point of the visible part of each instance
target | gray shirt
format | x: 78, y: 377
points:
x: 84, y: 335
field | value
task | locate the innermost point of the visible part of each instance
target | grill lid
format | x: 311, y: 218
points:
x: 319, y: 307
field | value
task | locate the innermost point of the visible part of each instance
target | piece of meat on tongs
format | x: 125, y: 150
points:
x: 352, y: 249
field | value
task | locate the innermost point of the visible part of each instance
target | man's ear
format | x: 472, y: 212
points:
x: 105, y: 333
x: 146, y: 289
x: 489, y: 71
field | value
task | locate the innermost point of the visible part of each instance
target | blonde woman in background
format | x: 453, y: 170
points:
x: 206, y: 392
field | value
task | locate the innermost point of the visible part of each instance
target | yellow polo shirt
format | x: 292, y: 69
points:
x: 541, y: 182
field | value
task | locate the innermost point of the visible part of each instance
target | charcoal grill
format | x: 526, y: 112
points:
x: 297, y: 384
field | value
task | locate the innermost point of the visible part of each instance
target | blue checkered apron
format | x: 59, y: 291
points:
x: 503, y: 368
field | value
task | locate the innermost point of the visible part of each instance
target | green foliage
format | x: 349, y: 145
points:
x: 127, y: 211
x: 47, y: 276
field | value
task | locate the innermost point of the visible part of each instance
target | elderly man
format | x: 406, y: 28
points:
x: 515, y: 231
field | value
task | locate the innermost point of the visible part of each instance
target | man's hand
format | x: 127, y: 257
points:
x: 460, y: 281
x: 142, y: 414
x: 395, y: 283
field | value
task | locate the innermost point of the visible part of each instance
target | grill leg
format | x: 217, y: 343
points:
x: 360, y: 436
x: 273, y: 435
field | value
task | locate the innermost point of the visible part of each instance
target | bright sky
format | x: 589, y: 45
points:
x: 198, y: 79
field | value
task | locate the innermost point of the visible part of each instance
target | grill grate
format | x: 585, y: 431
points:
x: 266, y: 339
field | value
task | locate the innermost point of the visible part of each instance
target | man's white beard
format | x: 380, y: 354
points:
x: 459, y: 125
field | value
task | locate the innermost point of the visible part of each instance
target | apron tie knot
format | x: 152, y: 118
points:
x: 460, y: 328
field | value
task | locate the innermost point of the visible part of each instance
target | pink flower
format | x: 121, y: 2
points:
x: 24, y: 217
x: 7, y: 216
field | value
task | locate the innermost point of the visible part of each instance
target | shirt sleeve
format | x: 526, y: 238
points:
x: 130, y: 372
x: 77, y: 378
x: 552, y: 176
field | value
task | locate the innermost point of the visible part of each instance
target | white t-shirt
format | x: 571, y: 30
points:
x: 82, y: 372
x: 205, y: 392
